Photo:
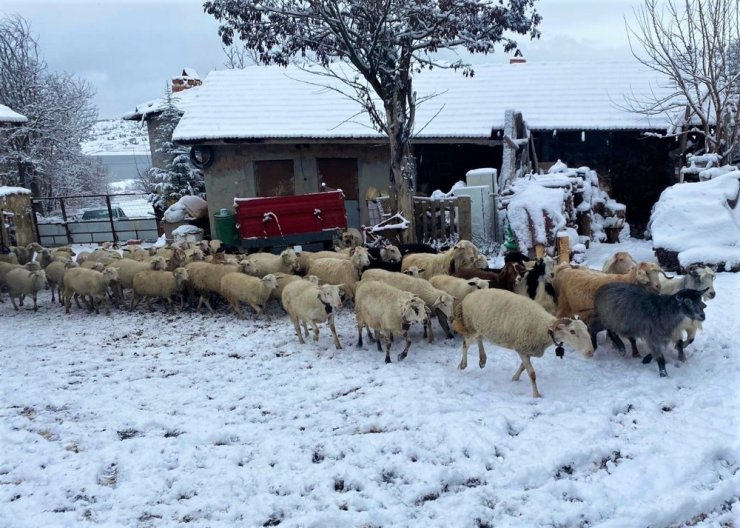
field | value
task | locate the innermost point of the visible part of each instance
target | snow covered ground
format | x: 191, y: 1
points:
x: 148, y: 419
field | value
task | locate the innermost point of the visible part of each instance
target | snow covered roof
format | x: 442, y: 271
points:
x: 274, y: 102
x: 190, y: 73
x: 182, y: 100
x: 9, y: 116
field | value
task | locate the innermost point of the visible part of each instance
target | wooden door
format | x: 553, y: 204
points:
x: 341, y: 173
x: 274, y: 178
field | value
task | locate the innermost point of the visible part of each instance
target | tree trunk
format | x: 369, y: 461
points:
x: 402, y: 178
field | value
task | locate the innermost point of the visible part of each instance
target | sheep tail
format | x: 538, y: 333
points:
x: 458, y: 323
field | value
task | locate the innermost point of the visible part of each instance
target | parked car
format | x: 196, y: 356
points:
x: 99, y: 214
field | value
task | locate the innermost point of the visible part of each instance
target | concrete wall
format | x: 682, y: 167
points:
x: 232, y: 173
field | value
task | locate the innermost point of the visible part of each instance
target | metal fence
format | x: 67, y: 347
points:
x: 97, y: 218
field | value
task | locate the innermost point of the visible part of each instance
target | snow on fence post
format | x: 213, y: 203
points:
x: 465, y: 222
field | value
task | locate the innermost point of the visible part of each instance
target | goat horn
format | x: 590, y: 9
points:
x: 665, y: 274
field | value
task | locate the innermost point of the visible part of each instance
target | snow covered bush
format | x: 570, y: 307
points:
x: 698, y: 223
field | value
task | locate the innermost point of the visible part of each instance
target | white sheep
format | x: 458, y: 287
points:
x: 128, y: 268
x: 55, y: 276
x: 462, y: 255
x: 89, y: 283
x: 205, y: 278
x: 22, y: 282
x: 161, y: 285
x: 283, y: 279
x: 516, y: 322
x: 620, y: 262
x: 241, y: 288
x: 341, y: 271
x: 6, y: 267
x: 388, y: 311
x: 9, y: 258
x: 264, y: 263
x: 439, y: 302
x: 458, y: 288
x: 307, y: 303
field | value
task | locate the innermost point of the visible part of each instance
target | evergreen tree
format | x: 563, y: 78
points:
x: 178, y: 177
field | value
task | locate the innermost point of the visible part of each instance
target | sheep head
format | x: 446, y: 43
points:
x: 248, y: 267
x: 445, y: 304
x: 329, y: 295
x: 110, y: 275
x: 575, y: 333
x: 478, y: 284
x: 360, y: 258
x: 158, y: 263
x: 270, y: 281
x: 390, y: 254
x: 647, y: 274
x: 414, y: 271
x: 413, y: 310
x: 181, y: 277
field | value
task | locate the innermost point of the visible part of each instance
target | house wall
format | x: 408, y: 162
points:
x: 232, y: 173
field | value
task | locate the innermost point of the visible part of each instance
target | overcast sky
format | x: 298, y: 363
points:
x: 130, y: 49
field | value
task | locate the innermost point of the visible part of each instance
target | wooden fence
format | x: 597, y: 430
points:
x: 442, y: 221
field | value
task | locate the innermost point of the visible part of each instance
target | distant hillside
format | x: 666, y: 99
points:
x: 116, y: 136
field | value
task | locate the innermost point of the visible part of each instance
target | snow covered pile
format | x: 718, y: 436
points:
x: 186, y: 208
x: 564, y: 197
x: 699, y: 165
x: 535, y: 213
x: 699, y: 222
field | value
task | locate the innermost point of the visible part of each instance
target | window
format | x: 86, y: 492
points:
x: 274, y: 178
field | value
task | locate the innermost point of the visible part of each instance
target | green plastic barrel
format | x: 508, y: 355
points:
x: 225, y: 223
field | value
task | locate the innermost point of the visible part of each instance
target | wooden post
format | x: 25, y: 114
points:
x: 465, y: 220
x: 64, y: 217
x: 539, y: 250
x: 454, y: 228
x: 4, y: 238
x: 110, y: 218
x: 563, y: 247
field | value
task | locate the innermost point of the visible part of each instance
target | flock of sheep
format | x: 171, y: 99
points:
x: 527, y: 306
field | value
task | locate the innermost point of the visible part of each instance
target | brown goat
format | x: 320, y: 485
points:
x: 576, y: 286
x: 505, y: 279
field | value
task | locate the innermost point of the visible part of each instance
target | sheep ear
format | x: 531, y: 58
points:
x: 472, y: 283
x: 422, y: 270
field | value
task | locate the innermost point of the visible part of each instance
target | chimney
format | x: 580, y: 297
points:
x: 188, y: 79
x: 518, y: 58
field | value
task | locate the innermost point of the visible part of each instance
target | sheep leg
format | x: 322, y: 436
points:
x: 481, y: 353
x: 442, y: 318
x: 617, y: 342
x: 464, y: 360
x: 305, y: 328
x: 405, y: 351
x: 67, y: 301
x: 428, y: 325
x: 237, y: 309
x: 315, y: 330
x: 378, y: 341
x: 359, y: 334
x: 532, y: 375
x: 297, y: 326
x: 633, y: 345
x: 518, y: 373
x: 135, y: 300
x: 203, y: 299
x: 20, y: 299
x: 333, y: 329
x: 12, y: 299
x: 35, y: 306
x: 387, y: 348
x: 53, y: 287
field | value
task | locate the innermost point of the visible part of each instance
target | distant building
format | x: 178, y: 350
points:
x: 273, y: 130
x: 184, y: 90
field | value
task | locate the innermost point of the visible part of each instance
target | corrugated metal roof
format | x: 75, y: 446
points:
x: 273, y: 103
x: 9, y: 116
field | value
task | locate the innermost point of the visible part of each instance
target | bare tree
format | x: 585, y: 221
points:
x: 43, y: 154
x: 238, y: 57
x: 383, y: 43
x: 694, y: 44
